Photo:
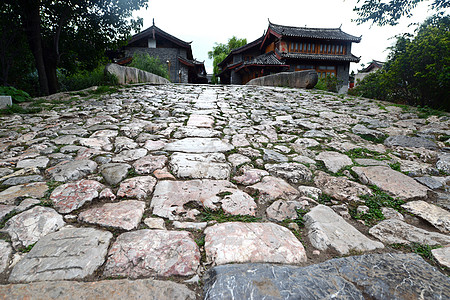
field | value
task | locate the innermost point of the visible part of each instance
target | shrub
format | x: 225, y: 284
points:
x: 417, y: 71
x: 85, y: 79
x: 144, y: 61
x: 16, y: 95
x: 328, y: 83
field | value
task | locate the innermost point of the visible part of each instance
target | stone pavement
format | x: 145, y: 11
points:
x: 224, y: 192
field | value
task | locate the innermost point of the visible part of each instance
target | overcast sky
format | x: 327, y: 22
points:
x: 205, y: 22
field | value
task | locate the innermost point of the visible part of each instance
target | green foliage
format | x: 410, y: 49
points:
x: 85, y: 79
x: 365, y: 153
x: 395, y: 166
x: 417, y: 71
x: 17, y: 109
x: 389, y: 12
x: 16, y: 95
x: 73, y: 35
x: 423, y: 250
x: 328, y: 83
x: 221, y: 51
x: 200, y: 241
x: 144, y: 61
x: 27, y: 249
x: 324, y: 199
x: 220, y: 216
x: 375, y: 202
x: 299, y: 220
x: 371, y: 138
x: 15, y: 56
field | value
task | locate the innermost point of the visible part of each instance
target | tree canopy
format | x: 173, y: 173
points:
x: 221, y: 51
x: 390, y: 11
x: 418, y: 69
x: 74, y: 33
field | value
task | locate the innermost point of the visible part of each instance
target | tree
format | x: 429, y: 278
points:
x: 221, y: 51
x: 418, y: 68
x: 15, y: 56
x: 390, y: 11
x: 62, y: 27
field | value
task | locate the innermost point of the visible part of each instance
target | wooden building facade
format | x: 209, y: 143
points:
x: 177, y: 54
x: 287, y: 48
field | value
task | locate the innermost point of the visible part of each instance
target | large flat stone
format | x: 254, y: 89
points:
x: 114, y: 173
x: 200, y: 166
x: 394, y: 231
x: 326, y: 229
x: 124, y: 215
x: 71, y: 196
x: 137, y: 187
x: 170, y: 197
x: 198, y: 145
x: 334, y: 161
x: 410, y: 141
x: 393, y: 182
x: 101, y: 290
x: 340, y: 188
x: 150, y: 163
x: 29, y: 190
x: 153, y: 252
x: 442, y: 255
x: 5, y: 255
x: 294, y: 173
x: 201, y: 121
x: 71, y: 253
x: 371, y: 276
x: 28, y: 227
x: 40, y: 162
x: 236, y: 242
x: 71, y: 170
x: 436, y: 216
x: 272, y: 188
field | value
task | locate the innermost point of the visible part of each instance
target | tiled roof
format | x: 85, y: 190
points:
x: 315, y: 33
x: 348, y: 57
x: 256, y: 42
x: 265, y: 59
x: 372, y: 65
x: 149, y: 31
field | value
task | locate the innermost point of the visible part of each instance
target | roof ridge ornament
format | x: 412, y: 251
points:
x: 153, y: 21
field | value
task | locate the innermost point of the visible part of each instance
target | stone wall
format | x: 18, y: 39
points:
x: 301, y: 79
x: 132, y: 75
x: 164, y: 55
x: 342, y: 77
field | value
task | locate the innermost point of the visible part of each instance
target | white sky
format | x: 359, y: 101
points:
x: 205, y: 22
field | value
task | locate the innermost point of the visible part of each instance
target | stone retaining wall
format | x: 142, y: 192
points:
x: 301, y: 79
x: 132, y: 75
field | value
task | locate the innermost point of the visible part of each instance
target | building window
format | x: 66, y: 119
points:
x: 321, y: 48
x: 329, y: 48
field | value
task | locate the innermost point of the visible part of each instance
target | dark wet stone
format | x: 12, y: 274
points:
x: 409, y: 141
x: 23, y: 180
x: 372, y: 276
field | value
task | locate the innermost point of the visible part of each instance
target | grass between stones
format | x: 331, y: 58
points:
x: 299, y: 220
x: 221, y: 217
x: 365, y: 153
x: 375, y: 202
x: 423, y: 250
x: 370, y: 138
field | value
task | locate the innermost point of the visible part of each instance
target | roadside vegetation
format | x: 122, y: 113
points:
x: 417, y: 71
x: 144, y: 61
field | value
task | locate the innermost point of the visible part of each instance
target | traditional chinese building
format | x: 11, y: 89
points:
x: 374, y: 66
x: 177, y: 54
x: 287, y: 48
